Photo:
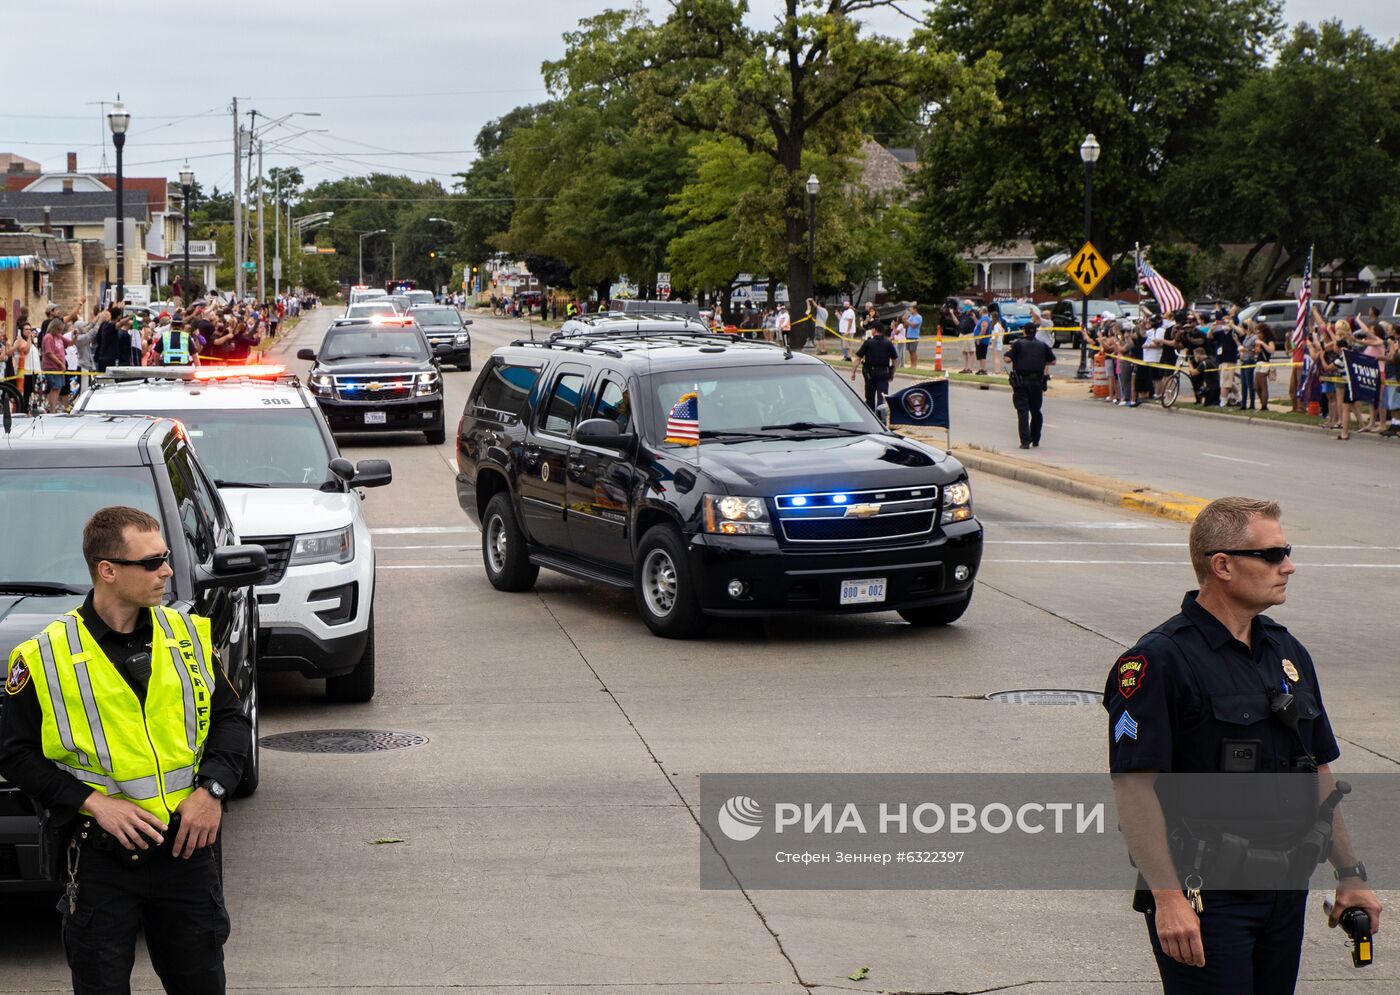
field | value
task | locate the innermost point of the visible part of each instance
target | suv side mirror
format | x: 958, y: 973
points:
x: 604, y: 434
x: 233, y: 566
x: 309, y: 354
x: 372, y: 473
x: 466, y: 321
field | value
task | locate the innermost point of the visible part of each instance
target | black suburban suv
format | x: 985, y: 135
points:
x: 795, y: 499
x: 378, y: 375
x: 446, y: 331
x: 56, y: 472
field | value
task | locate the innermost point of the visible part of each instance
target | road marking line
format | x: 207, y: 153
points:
x: 428, y: 566
x: 1186, y: 563
x: 419, y: 530
x: 452, y: 547
x: 1163, y: 545
x: 1236, y: 459
x: 1074, y: 525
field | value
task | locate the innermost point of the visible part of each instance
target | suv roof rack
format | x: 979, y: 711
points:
x: 604, y: 341
x: 196, y: 374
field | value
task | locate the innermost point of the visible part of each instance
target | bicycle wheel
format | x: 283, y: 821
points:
x: 1171, y: 389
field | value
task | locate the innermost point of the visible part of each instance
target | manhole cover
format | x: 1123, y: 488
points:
x: 1046, y: 696
x: 342, y: 741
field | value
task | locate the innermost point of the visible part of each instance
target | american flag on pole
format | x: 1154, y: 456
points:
x: 1300, y: 326
x: 683, y: 423
x: 1168, y: 298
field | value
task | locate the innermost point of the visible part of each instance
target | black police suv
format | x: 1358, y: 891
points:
x: 571, y: 455
x: 446, y: 331
x: 59, y: 469
x: 378, y: 375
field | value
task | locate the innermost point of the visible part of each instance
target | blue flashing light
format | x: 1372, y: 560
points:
x: 799, y: 502
x: 838, y: 499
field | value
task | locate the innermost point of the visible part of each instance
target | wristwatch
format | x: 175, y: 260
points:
x: 1357, y: 870
x: 213, y: 787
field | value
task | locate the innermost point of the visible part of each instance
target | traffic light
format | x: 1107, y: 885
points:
x: 432, y: 255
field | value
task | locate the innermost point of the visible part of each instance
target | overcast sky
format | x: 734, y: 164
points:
x: 401, y: 86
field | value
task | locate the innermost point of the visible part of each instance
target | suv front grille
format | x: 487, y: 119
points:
x: 367, y: 388
x: 279, y: 554
x: 859, y: 516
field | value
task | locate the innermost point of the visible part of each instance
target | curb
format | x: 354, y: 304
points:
x: 1171, y: 505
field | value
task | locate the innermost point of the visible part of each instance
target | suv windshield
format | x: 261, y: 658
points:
x: 1013, y: 309
x: 42, y: 535
x: 437, y: 317
x: 372, y: 341
x: 233, y: 445
x: 763, y: 402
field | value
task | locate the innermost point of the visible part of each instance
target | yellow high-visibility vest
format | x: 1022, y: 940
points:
x: 95, y: 727
x: 171, y: 355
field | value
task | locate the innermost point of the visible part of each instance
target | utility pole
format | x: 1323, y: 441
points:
x: 248, y: 197
x: 262, y: 210
x: 277, y: 235
x: 237, y: 204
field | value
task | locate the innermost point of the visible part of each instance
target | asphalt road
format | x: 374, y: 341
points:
x: 549, y: 825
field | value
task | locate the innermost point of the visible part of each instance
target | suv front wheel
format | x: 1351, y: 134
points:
x: 933, y: 615
x: 664, y: 589
x: 508, y: 565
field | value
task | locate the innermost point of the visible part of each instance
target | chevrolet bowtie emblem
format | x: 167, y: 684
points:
x: 862, y: 511
x: 374, y: 385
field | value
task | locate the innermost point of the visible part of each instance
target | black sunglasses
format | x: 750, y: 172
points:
x: 148, y: 563
x: 1273, y: 554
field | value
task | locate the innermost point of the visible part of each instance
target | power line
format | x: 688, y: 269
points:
x: 396, y: 96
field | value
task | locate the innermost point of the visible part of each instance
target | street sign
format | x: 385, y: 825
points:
x: 1088, y: 268
x: 276, y: 267
x: 325, y: 250
x: 663, y: 286
x: 250, y: 266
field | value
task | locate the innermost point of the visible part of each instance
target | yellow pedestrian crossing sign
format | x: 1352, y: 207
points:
x: 1087, y: 269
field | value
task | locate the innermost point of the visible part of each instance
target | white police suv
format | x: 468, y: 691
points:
x: 263, y: 439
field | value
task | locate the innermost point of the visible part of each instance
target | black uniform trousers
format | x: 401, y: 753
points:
x: 1026, y: 393
x: 875, y: 388
x: 1253, y: 941
x: 178, y: 904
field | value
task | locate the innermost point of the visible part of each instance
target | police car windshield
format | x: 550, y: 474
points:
x: 370, y: 341
x: 763, y: 402
x: 234, y: 445
x: 45, y: 546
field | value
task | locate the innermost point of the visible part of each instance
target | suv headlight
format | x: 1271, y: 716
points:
x: 321, y: 383
x: 461, y: 338
x: 732, y: 515
x: 324, y: 547
x: 427, y: 383
x: 957, y: 503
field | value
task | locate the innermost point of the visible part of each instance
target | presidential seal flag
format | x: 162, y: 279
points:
x: 683, y: 423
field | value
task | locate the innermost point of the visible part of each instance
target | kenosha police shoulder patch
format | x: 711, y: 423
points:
x: 1131, y: 671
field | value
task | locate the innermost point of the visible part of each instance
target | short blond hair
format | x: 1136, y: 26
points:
x: 1224, y: 524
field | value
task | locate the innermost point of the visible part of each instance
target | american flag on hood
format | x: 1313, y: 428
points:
x: 1168, y: 298
x: 683, y: 423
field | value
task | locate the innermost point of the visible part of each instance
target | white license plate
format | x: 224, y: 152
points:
x: 863, y: 592
x: 375, y: 418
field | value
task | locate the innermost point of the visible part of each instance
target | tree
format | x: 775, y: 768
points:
x: 812, y: 81
x: 486, y: 203
x: 1306, y: 152
x: 1142, y: 77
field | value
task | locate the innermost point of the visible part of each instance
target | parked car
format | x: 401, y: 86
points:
x: 1279, y: 312
x: 70, y: 466
x: 1360, y: 305
x: 793, y: 498
x: 1016, y: 317
x: 1068, y: 313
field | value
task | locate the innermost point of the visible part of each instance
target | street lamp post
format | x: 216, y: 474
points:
x: 814, y: 186
x: 1089, y: 152
x: 186, y: 181
x: 377, y: 231
x: 118, y: 120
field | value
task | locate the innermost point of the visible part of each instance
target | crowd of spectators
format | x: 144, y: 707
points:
x: 45, y: 367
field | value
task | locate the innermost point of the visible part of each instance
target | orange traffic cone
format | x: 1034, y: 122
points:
x: 938, y: 352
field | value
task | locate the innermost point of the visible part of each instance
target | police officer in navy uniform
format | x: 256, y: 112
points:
x: 1028, y: 359
x: 1198, y: 694
x: 109, y: 674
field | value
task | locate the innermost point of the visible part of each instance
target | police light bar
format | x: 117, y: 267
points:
x: 395, y: 320
x: 233, y: 372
